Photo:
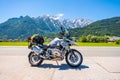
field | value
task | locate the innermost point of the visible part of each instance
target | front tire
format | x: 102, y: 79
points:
x: 74, y: 58
x: 34, y: 59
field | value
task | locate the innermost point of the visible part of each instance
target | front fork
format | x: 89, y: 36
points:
x: 72, y: 54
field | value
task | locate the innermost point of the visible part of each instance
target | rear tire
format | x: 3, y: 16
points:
x: 34, y: 59
x: 74, y: 58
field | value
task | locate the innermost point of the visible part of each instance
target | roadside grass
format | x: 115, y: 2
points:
x: 13, y: 43
x: 79, y: 44
x: 16, y: 43
x: 98, y: 44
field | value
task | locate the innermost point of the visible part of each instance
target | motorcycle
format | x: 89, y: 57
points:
x: 57, y: 50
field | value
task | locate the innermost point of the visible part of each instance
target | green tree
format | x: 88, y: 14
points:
x: 83, y: 39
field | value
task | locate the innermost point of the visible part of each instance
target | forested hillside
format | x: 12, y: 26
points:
x: 109, y: 27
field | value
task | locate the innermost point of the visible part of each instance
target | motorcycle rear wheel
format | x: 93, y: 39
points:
x: 74, y: 58
x: 34, y: 59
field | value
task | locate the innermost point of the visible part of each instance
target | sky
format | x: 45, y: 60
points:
x: 69, y: 9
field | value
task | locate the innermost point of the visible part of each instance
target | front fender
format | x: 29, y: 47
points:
x: 71, y: 50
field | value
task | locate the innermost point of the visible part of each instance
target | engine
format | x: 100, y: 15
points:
x: 56, y: 54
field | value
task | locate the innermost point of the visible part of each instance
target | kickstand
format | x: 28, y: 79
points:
x: 57, y: 63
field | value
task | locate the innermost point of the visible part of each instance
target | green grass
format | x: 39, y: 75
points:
x: 79, y: 43
x: 16, y: 43
x: 13, y: 43
x: 98, y: 44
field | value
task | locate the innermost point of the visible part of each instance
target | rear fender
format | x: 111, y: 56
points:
x: 32, y: 52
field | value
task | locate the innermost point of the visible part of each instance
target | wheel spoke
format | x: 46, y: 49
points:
x: 34, y: 59
x: 74, y: 58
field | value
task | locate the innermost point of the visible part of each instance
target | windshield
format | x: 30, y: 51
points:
x: 64, y: 32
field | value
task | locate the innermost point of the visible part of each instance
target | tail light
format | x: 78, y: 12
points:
x: 70, y: 44
x: 29, y: 39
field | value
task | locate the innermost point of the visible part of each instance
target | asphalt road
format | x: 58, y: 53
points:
x: 86, y: 51
x: 100, y: 63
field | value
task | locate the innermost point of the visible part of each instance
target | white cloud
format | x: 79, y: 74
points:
x: 59, y: 15
x: 56, y: 16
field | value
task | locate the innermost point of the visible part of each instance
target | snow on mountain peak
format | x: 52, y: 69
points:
x: 69, y: 23
x: 56, y: 17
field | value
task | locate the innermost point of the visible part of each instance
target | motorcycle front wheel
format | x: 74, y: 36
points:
x: 34, y: 59
x: 74, y: 58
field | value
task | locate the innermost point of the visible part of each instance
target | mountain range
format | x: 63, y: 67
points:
x: 108, y: 27
x: 24, y: 27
